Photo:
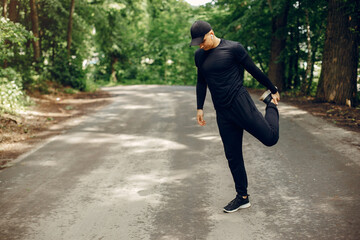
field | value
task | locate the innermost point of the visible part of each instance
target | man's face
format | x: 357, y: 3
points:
x: 207, y: 42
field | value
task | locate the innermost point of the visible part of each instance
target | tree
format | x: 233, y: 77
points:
x: 280, y: 11
x: 306, y: 26
x: 13, y: 13
x: 111, y: 25
x: 12, y: 17
x: 5, y: 8
x: 306, y: 84
x: 10, y: 79
x: 72, y: 8
x: 35, y: 29
x: 340, y: 57
x: 168, y: 39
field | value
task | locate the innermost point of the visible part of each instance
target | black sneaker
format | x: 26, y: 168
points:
x: 266, y: 97
x: 238, y: 203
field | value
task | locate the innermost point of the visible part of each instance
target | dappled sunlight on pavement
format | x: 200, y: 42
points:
x: 290, y: 111
x: 139, y: 144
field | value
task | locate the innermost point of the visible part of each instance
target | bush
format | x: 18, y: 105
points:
x: 69, y: 72
x: 12, y: 35
x: 12, y: 98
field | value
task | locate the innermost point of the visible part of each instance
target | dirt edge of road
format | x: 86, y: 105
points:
x: 46, y: 118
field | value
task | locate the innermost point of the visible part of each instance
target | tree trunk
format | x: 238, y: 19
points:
x: 278, y: 41
x: 4, y: 13
x: 72, y: 8
x: 35, y: 29
x: 313, y: 58
x: 340, y: 58
x: 291, y: 63
x: 27, y: 21
x: 289, y: 82
x: 113, y: 78
x: 296, y: 63
x: 13, y: 12
x: 306, y: 81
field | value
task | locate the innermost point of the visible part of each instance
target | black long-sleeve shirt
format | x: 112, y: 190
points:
x: 219, y: 69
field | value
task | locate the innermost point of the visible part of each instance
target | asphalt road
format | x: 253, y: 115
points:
x: 141, y: 168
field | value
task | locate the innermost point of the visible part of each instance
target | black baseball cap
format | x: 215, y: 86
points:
x: 198, y: 31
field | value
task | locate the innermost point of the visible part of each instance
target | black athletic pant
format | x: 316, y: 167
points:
x: 232, y: 121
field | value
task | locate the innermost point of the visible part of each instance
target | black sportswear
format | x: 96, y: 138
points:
x: 219, y: 69
x: 238, y: 203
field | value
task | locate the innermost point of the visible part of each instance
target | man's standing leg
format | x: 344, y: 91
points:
x: 232, y: 136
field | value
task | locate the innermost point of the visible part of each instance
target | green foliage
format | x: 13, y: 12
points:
x: 146, y: 41
x: 140, y: 41
x: 11, y: 96
x: 68, y: 71
x: 167, y: 57
x: 248, y: 22
x: 12, y: 38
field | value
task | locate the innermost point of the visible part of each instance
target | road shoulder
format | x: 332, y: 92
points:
x: 50, y: 115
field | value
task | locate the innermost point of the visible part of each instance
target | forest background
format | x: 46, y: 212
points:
x: 307, y: 47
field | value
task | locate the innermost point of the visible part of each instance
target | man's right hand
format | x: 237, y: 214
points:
x: 275, y: 98
x: 200, y: 117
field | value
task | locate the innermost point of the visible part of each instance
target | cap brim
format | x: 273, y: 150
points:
x: 196, y: 41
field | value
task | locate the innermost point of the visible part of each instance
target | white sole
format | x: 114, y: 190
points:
x: 246, y: 205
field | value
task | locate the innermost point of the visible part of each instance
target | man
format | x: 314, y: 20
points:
x: 218, y: 63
